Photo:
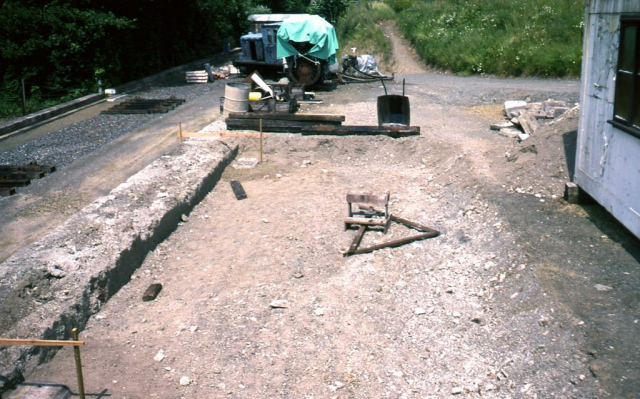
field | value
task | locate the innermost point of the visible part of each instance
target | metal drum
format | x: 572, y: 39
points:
x: 236, y: 97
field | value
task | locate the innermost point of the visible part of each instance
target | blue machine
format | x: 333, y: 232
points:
x: 259, y: 49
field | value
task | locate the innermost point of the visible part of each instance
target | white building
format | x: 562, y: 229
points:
x: 608, y: 150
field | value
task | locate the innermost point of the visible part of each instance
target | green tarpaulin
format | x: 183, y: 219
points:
x: 307, y: 28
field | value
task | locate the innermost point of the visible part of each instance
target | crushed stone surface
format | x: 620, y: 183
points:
x: 503, y: 304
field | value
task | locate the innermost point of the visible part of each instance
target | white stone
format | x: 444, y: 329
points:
x: 184, y: 380
x: 319, y: 312
x: 159, y: 356
x: 601, y: 287
x: 456, y: 390
x: 420, y: 311
x: 523, y: 136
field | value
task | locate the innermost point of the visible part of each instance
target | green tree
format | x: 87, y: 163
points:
x: 329, y: 9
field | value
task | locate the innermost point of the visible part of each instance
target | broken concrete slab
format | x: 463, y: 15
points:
x: 499, y: 125
x: 510, y: 132
x: 528, y: 123
x: 554, y: 109
x: 523, y: 136
x: 98, y: 249
x: 39, y: 391
x: 513, y: 108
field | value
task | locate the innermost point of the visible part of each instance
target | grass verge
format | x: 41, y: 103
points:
x: 502, y: 37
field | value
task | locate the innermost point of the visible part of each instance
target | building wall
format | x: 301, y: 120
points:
x: 608, y: 159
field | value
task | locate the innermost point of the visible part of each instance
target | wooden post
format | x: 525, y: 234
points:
x: 24, y: 100
x: 76, y: 350
x: 180, y: 132
x: 260, y: 141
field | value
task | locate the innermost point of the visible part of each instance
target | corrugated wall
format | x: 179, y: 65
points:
x: 608, y: 159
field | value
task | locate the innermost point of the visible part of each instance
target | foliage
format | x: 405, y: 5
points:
x: 359, y: 28
x: 61, y: 47
x: 331, y: 10
x: 504, y: 37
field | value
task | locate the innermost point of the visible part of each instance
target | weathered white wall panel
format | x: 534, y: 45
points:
x: 613, y: 6
x: 608, y: 159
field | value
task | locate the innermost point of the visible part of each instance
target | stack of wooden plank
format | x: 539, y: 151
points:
x: 196, y: 77
x: 12, y: 176
x: 279, y: 122
x: 312, y: 124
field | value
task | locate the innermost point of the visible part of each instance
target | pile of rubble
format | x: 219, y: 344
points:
x: 523, y: 118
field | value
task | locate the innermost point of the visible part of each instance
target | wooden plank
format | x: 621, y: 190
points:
x: 5, y: 192
x: 38, y: 342
x: 414, y: 225
x: 356, y: 240
x: 393, y: 131
x: 391, y: 244
x: 15, y: 183
x: 27, y: 168
x: 368, y: 198
x: 273, y: 126
x: 238, y: 190
x: 288, y: 117
x: 366, y: 221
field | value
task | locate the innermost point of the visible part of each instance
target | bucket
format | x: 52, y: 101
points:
x: 393, y: 109
x: 236, y: 97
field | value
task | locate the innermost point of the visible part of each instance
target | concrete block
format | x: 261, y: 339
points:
x: 513, y: 108
x: 572, y: 193
x: 39, y: 391
x: 97, y: 250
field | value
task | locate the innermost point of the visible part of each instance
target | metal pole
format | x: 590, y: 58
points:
x: 24, y: 100
x: 76, y: 350
x: 260, y: 141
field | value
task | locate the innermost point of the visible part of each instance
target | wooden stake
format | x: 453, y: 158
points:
x: 24, y: 100
x: 260, y: 141
x: 180, y: 132
x: 76, y: 350
x: 38, y: 342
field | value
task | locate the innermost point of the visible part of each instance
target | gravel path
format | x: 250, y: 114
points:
x: 522, y: 295
x: 64, y: 146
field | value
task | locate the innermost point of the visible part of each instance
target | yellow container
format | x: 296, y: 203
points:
x: 255, y: 96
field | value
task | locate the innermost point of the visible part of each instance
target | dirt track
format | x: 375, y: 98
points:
x: 506, y: 303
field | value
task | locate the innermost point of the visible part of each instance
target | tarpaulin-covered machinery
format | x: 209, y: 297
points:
x: 303, y: 45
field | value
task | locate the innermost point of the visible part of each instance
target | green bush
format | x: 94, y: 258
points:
x: 359, y: 27
x: 504, y: 37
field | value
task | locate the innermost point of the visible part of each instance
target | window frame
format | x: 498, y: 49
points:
x: 628, y: 125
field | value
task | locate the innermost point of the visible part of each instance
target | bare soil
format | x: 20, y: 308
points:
x: 523, y: 295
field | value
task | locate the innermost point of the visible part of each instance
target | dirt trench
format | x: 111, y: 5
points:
x: 503, y: 304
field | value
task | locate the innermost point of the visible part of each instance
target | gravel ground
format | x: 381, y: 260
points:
x: 522, y: 295
x: 62, y: 147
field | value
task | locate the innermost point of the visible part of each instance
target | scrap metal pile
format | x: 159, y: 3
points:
x: 361, y: 68
x: 272, y: 108
x: 369, y: 211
